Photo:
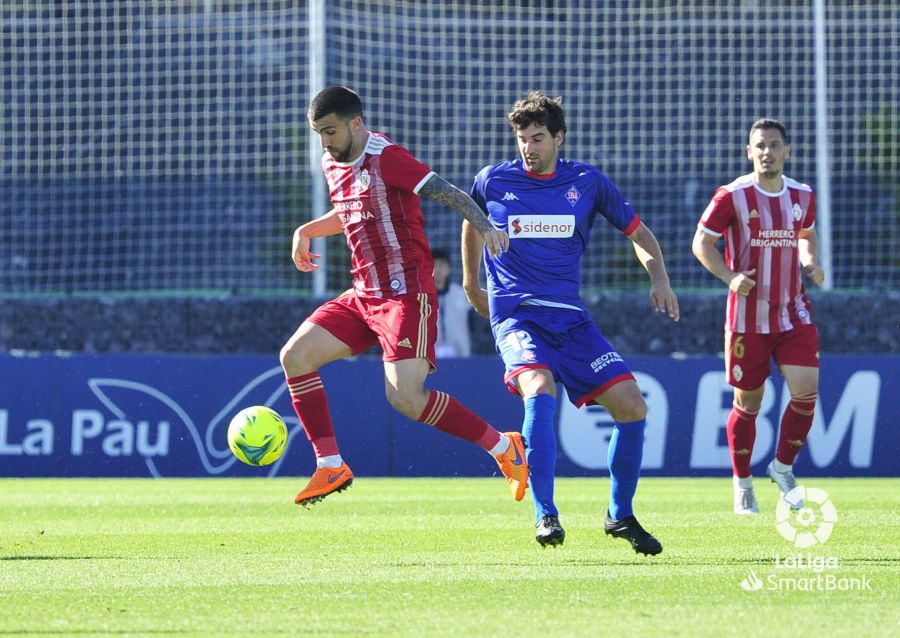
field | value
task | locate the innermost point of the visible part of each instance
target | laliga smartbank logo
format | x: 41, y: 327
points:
x: 805, y: 517
x: 809, y: 524
x: 752, y: 582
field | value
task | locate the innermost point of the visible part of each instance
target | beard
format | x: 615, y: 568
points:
x: 341, y: 155
x: 538, y: 165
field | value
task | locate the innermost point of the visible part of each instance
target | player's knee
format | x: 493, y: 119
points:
x: 748, y: 401
x: 293, y: 359
x: 531, y: 385
x: 629, y: 410
x: 408, y: 403
x: 285, y: 356
x: 749, y: 406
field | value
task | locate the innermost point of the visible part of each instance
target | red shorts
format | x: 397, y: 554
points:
x: 404, y: 326
x: 748, y: 355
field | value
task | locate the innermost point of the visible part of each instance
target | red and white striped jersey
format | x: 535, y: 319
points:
x: 761, y: 231
x: 377, y: 202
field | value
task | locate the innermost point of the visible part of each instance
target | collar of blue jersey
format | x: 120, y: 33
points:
x: 538, y: 175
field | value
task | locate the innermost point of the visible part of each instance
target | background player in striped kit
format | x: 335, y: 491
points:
x: 767, y: 220
x: 542, y: 329
x: 374, y: 186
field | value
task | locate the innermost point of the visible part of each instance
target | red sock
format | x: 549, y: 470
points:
x: 446, y: 414
x: 741, y: 429
x: 795, y: 425
x: 311, y: 405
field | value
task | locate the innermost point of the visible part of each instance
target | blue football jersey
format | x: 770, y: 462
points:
x: 548, y: 219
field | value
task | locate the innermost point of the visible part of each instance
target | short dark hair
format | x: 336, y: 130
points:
x: 767, y: 123
x: 440, y: 253
x: 335, y: 99
x: 537, y: 108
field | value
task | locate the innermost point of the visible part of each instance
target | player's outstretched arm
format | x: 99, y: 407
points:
x: 648, y: 252
x: 472, y: 247
x: 327, y: 224
x: 440, y: 190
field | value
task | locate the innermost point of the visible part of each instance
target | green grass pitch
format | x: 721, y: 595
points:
x: 430, y: 557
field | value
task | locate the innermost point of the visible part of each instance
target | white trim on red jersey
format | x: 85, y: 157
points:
x: 378, y: 205
x: 422, y: 182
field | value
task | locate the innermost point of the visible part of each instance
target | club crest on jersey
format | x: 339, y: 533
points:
x: 573, y: 195
x: 362, y: 182
x: 798, y: 212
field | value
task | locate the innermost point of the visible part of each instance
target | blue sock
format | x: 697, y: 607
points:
x: 626, y: 450
x: 540, y: 452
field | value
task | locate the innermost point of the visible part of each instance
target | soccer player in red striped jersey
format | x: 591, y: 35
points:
x: 375, y: 187
x: 767, y: 220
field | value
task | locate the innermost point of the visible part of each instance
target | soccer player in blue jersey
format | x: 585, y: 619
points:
x: 543, y: 332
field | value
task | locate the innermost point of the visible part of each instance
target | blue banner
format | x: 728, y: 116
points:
x: 162, y: 416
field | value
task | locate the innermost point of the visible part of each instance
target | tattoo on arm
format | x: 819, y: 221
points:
x: 440, y: 190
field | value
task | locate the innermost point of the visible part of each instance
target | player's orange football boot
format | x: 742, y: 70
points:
x: 514, y: 466
x: 324, y: 481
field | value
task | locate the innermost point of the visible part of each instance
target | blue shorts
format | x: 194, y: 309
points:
x: 567, y: 343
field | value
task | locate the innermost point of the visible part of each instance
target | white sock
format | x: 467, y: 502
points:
x: 334, y: 460
x: 743, y: 483
x: 780, y: 467
x: 502, y: 446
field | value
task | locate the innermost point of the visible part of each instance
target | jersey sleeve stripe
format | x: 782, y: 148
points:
x: 422, y: 182
x: 706, y: 230
x: 633, y: 226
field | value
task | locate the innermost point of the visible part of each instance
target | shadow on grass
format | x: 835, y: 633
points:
x: 870, y: 561
x: 626, y: 560
x: 130, y: 632
x: 92, y: 632
x: 57, y: 558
